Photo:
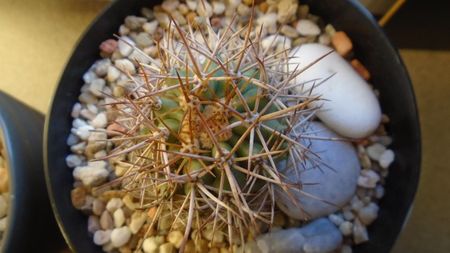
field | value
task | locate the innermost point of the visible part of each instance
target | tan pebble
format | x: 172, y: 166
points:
x: 106, y: 221
x: 361, y: 69
x: 190, y: 17
x: 78, y: 197
x: 263, y: 7
x: 4, y: 180
x: 289, y: 31
x: 287, y: 10
x: 114, y: 204
x: 137, y: 221
x: 114, y: 127
x: 189, y: 247
x: 166, y: 248
x: 98, y: 207
x: 341, y: 43
x: 119, y: 218
x: 201, y: 245
x: 214, y: 250
x: 152, y: 212
x: 183, y: 9
x: 176, y: 238
x: 179, y: 18
x: 224, y: 250
x: 243, y: 10
x: 329, y: 29
x: 129, y: 203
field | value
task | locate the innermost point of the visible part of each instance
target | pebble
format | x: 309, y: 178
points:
x: 108, y: 46
x: 3, y: 222
x: 106, y: 221
x: 170, y: 5
x: 289, y: 31
x: 306, y: 27
x: 119, y: 217
x: 78, y: 148
x: 72, y: 140
x: 346, y: 91
x: 137, y: 221
x: 379, y: 191
x: 329, y: 186
x: 243, y: 10
x: 325, y: 39
x: 98, y: 207
x: 76, y: 110
x: 92, y: 174
x: 346, y: 249
x: 175, y: 237
x: 375, y: 151
x: 102, y: 237
x: 87, y: 98
x: 368, y: 214
x: 205, y: 9
x: 101, y: 67
x: 368, y: 179
x: 120, y: 236
x: 100, y: 121
x: 150, y: 27
x: 143, y: 40
x: 166, y: 248
x: 318, y: 236
x: 78, y: 197
x: 87, y: 114
x: 125, y: 46
x: 346, y: 228
x: 3, y: 207
x: 113, y: 74
x: 125, y: 66
x: 89, y: 76
x: 134, y: 22
x: 269, y: 21
x: 97, y: 86
x: 218, y: 7
x: 183, y: 9
x: 336, y: 219
x: 4, y: 179
x: 341, y: 43
x: 151, y: 244
x: 73, y: 160
x: 123, y: 30
x: 114, y: 204
x: 192, y: 4
x: 360, y: 234
x: 286, y: 10
x: 386, y: 159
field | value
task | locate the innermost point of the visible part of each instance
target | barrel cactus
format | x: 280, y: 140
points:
x: 200, y: 132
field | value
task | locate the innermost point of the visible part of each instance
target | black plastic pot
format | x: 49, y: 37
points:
x: 31, y: 225
x: 372, y: 48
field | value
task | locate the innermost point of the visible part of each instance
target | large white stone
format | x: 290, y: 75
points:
x: 348, y: 104
x: 328, y: 177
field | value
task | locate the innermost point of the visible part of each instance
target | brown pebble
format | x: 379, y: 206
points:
x: 151, y: 212
x: 341, y: 43
x: 108, y: 46
x: 106, y: 221
x: 216, y: 22
x: 263, y: 7
x: 98, y: 207
x: 361, y: 69
x: 114, y: 127
x: 78, y: 197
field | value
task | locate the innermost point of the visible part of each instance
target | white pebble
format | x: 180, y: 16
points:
x: 346, y: 228
x: 170, y: 5
x: 92, y: 108
x: 100, y: 121
x: 113, y: 74
x: 368, y: 214
x: 73, y: 161
x: 92, y: 174
x: 77, y: 123
x: 307, y: 28
x: 72, y: 140
x: 3, y: 222
x: 192, y: 4
x: 137, y: 220
x: 268, y: 21
x: 89, y: 76
x: 375, y: 151
x: 150, y: 27
x: 120, y: 236
x: 125, y: 46
x: 119, y: 217
x: 78, y: 148
x: 114, y: 204
x: 336, y: 219
x: 356, y: 203
x: 126, y: 66
x: 85, y: 113
x: 360, y: 234
x: 368, y: 179
x: 102, y: 237
x: 218, y: 7
x: 76, y: 110
x: 325, y: 39
x: 97, y: 86
x: 348, y: 215
x: 386, y: 158
x: 83, y: 132
x: 3, y: 207
x: 87, y: 98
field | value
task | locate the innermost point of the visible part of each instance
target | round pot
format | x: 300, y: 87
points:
x: 372, y: 48
x: 31, y: 225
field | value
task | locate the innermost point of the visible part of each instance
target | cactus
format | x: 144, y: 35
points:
x: 206, y: 125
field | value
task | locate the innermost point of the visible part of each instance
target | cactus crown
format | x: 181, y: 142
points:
x: 204, y: 127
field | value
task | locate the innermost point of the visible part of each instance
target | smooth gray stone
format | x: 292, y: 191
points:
x: 325, y: 181
x: 319, y: 236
